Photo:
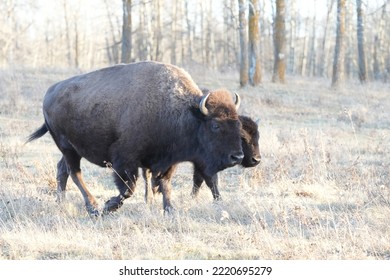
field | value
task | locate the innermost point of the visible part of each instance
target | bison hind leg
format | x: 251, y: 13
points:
x: 62, y: 179
x: 73, y: 159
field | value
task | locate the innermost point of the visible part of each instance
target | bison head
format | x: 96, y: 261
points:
x: 219, y: 132
x: 250, y: 142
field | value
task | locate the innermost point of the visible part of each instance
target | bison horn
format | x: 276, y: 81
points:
x: 238, y: 100
x: 202, y: 105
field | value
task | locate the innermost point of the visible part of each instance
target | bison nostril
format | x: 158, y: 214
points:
x: 256, y: 159
x: 236, y: 158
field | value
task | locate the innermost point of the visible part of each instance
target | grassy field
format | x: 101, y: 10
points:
x: 322, y: 190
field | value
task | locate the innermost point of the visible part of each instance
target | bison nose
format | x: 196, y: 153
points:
x: 256, y: 159
x: 236, y: 158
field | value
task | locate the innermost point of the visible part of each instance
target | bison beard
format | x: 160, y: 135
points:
x: 147, y: 114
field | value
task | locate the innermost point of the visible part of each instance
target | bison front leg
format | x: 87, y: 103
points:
x: 165, y: 185
x: 166, y: 188
x: 149, y: 192
x: 125, y: 181
x: 211, y: 181
x: 197, y: 181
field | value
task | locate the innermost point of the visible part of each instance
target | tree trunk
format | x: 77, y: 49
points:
x: 293, y: 15
x: 126, y: 32
x: 349, y: 42
x: 243, y: 43
x: 158, y: 32
x: 305, y: 48
x: 313, y: 46
x: 361, y: 42
x: 112, y: 47
x: 254, y: 44
x: 174, y: 31
x: 325, y: 43
x: 190, y: 37
x: 76, y: 45
x: 378, y: 55
x: 67, y: 34
x: 279, y: 43
x: 339, y: 52
x: 210, y: 39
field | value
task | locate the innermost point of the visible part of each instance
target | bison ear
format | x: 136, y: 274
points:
x: 197, y: 113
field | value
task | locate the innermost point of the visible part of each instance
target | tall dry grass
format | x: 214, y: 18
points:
x: 322, y: 190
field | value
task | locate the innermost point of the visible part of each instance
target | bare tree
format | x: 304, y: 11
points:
x: 67, y: 34
x: 230, y: 43
x: 113, y: 44
x: 305, y: 48
x: 378, y: 55
x: 254, y: 44
x: 210, y: 39
x: 243, y: 43
x: 338, y: 60
x: 190, y: 33
x: 361, y: 42
x: 157, y: 34
x: 144, y: 44
x: 174, y: 27
x: 126, y: 32
x: 323, y: 68
x: 313, y: 44
x: 349, y: 40
x: 293, y: 16
x: 279, y: 42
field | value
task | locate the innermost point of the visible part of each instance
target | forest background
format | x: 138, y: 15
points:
x: 225, y: 35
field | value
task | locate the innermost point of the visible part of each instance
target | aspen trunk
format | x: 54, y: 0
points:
x: 293, y: 15
x: 157, y: 31
x: 378, y: 53
x: 254, y: 44
x: 67, y: 35
x: 325, y: 43
x: 190, y: 37
x: 339, y: 52
x: 126, y: 32
x: 361, y: 42
x: 243, y: 43
x: 279, y: 42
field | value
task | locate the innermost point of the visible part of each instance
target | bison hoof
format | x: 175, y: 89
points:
x: 169, y: 210
x: 94, y: 213
x: 112, y: 205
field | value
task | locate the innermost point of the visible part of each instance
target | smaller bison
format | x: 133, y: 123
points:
x: 250, y: 146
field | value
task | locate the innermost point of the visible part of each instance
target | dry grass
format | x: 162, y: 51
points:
x: 322, y: 190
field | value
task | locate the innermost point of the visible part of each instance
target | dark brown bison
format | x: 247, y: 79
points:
x: 147, y: 114
x: 250, y: 146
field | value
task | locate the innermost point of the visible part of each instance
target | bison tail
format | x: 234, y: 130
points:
x: 39, y: 133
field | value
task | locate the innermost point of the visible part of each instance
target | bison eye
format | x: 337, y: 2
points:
x: 215, y: 126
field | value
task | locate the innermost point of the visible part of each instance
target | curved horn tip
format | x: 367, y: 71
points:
x: 238, y: 100
x: 202, y: 105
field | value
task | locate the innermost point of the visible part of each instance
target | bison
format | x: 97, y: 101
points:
x: 139, y: 115
x: 250, y: 147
